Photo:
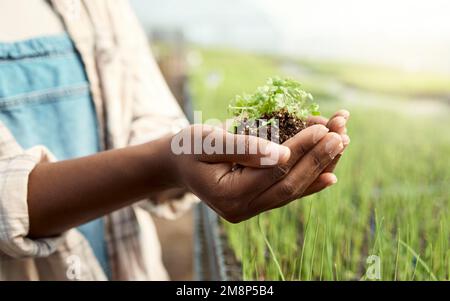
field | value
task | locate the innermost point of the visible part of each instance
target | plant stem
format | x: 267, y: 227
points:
x: 280, y: 272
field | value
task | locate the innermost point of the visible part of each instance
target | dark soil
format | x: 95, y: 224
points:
x: 288, y: 126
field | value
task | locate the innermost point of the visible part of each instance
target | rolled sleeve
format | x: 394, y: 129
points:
x: 14, y: 218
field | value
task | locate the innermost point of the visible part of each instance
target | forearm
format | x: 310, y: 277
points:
x: 69, y: 193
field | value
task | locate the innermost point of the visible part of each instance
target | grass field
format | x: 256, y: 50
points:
x: 383, y: 79
x: 393, y: 195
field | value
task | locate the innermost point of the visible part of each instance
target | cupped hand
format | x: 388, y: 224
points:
x: 337, y: 124
x: 267, y: 176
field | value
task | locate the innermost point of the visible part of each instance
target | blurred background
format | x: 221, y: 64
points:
x: 388, y: 62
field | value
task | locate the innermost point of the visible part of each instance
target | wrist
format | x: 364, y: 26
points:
x: 162, y: 161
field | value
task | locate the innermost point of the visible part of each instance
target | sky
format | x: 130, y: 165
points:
x: 413, y: 34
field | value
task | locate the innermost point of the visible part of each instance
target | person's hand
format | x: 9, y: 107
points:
x: 65, y: 194
x: 337, y: 124
x: 268, y: 177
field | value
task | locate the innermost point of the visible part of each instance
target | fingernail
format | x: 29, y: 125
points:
x: 319, y: 133
x: 333, y: 179
x: 284, y: 153
x: 334, y: 146
x: 345, y: 114
x: 345, y: 139
x: 278, y: 151
x: 340, y: 121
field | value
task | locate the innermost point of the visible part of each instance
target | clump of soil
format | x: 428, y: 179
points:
x: 287, y: 126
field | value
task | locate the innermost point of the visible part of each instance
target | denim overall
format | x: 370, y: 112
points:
x: 45, y: 100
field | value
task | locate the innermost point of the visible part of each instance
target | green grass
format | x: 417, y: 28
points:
x: 392, y: 199
x: 384, y: 79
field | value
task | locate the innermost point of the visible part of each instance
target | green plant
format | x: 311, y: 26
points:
x: 278, y: 94
x: 276, y: 111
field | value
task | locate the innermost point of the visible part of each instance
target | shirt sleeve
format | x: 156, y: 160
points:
x: 156, y: 112
x: 15, y: 168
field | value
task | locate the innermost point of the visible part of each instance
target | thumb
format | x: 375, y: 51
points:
x: 243, y: 149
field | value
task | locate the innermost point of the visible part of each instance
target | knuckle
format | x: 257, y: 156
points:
x: 318, y: 160
x: 279, y: 172
x: 302, y: 150
x: 334, y: 135
x: 288, y: 189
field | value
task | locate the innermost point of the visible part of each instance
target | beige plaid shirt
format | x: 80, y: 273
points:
x: 130, y: 97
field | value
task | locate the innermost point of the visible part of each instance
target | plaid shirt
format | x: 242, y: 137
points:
x: 130, y: 97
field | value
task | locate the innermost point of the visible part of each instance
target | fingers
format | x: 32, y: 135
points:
x: 299, y: 145
x: 342, y: 113
x: 338, y: 122
x: 219, y: 146
x: 254, y: 181
x: 345, y: 140
x: 324, y: 121
x: 337, y: 125
x: 302, y: 175
x: 312, y: 120
x: 325, y: 180
x: 313, y: 164
x: 332, y: 166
